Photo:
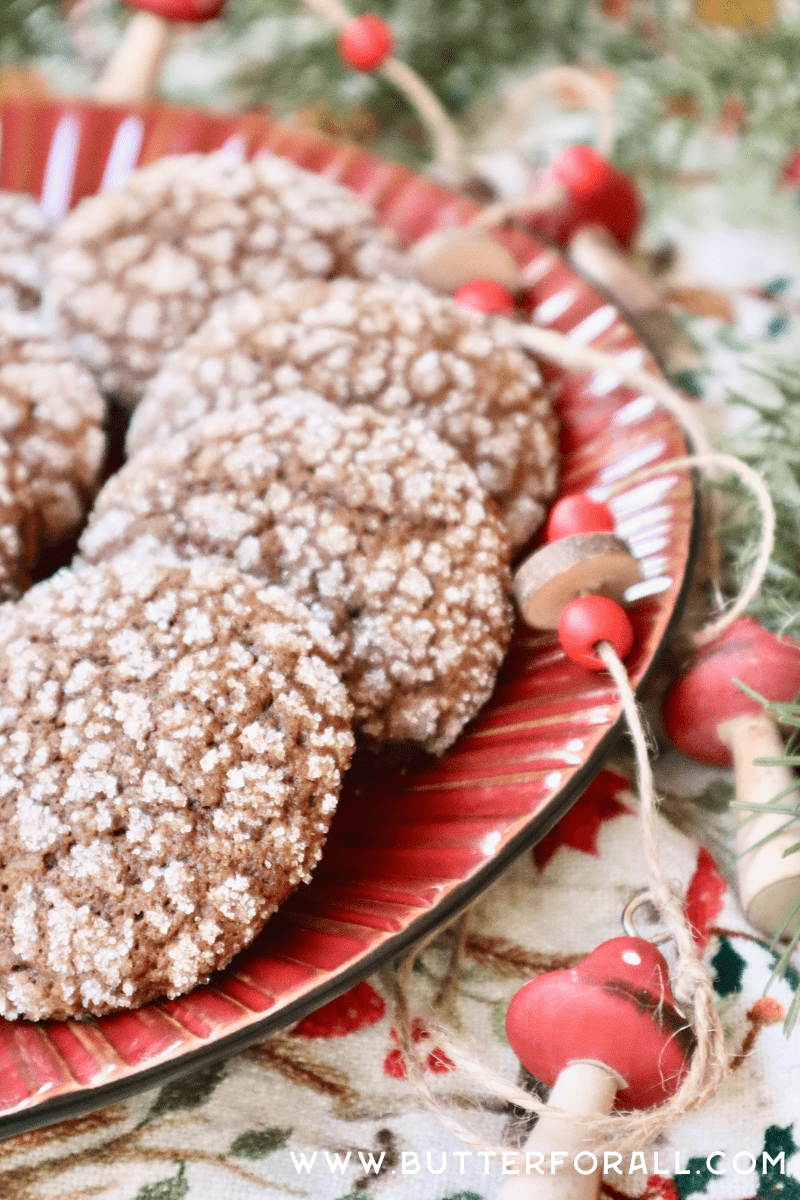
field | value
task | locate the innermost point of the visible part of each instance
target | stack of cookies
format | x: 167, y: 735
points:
x: 308, y: 548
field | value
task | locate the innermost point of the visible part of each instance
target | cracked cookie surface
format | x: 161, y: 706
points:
x: 172, y: 743
x: 392, y: 344
x: 132, y: 272
x: 376, y: 524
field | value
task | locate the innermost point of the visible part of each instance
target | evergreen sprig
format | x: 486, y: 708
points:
x: 25, y: 27
x: 785, y: 804
x: 771, y: 444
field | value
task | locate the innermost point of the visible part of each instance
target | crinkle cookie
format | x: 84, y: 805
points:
x: 395, y: 345
x: 51, y: 444
x: 172, y: 742
x: 24, y: 234
x: 134, y: 271
x: 376, y: 524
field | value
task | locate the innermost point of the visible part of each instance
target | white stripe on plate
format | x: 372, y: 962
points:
x: 233, y: 148
x: 552, y: 308
x: 60, y: 170
x: 637, y: 410
x: 606, y: 381
x: 592, y: 326
x: 648, y: 587
x: 124, y: 153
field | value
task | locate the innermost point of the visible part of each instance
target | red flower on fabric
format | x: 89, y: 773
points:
x: 705, y: 897
x: 580, y: 826
x: 394, y: 1064
x: 360, y: 1007
x: 661, y: 1185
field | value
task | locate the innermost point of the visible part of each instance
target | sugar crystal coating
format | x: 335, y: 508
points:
x: 51, y: 444
x: 376, y: 524
x: 393, y: 344
x: 24, y: 235
x: 172, y: 742
x: 134, y: 271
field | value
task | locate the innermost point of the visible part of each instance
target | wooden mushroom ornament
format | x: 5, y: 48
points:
x: 711, y: 719
x: 130, y: 72
x: 602, y: 1034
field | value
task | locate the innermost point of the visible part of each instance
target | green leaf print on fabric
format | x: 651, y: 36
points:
x: 777, y: 286
x: 166, y: 1189
x: 189, y: 1092
x: 772, y: 1182
x: 729, y: 967
x: 697, y: 1180
x: 258, y: 1143
x: 776, y: 326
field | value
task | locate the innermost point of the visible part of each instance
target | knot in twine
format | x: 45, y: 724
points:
x: 620, y: 1132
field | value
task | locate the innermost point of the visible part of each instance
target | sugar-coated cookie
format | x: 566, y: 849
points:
x: 51, y: 445
x: 132, y: 272
x: 375, y: 523
x: 393, y: 344
x: 24, y: 235
x: 172, y: 742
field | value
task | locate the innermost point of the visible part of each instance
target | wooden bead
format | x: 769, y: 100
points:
x: 485, y: 295
x: 578, y: 514
x: 451, y: 258
x: 366, y: 42
x: 587, y: 620
x: 585, y: 563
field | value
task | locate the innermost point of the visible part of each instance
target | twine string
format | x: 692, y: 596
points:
x: 691, y: 982
x: 447, y: 142
x: 594, y: 94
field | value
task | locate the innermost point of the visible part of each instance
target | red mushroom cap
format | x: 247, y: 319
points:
x: 597, y: 194
x: 707, y: 694
x: 616, y: 1008
x: 180, y: 10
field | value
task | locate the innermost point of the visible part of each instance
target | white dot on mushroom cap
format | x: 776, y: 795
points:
x: 630, y: 956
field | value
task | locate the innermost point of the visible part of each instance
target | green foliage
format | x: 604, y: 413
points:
x: 716, y: 797
x: 23, y: 27
x: 258, y: 1143
x: 771, y: 444
x: 174, y: 1188
x: 458, y: 46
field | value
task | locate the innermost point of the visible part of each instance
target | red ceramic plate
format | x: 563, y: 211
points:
x: 446, y: 831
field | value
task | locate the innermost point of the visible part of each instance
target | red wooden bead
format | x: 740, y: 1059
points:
x: 587, y: 620
x: 366, y: 42
x: 486, y: 296
x: 578, y: 514
x: 597, y: 194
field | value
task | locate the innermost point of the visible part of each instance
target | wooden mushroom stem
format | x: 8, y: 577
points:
x: 129, y: 74
x: 768, y: 882
x: 585, y: 1088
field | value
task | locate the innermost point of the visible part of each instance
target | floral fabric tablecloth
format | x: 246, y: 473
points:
x: 326, y: 1110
